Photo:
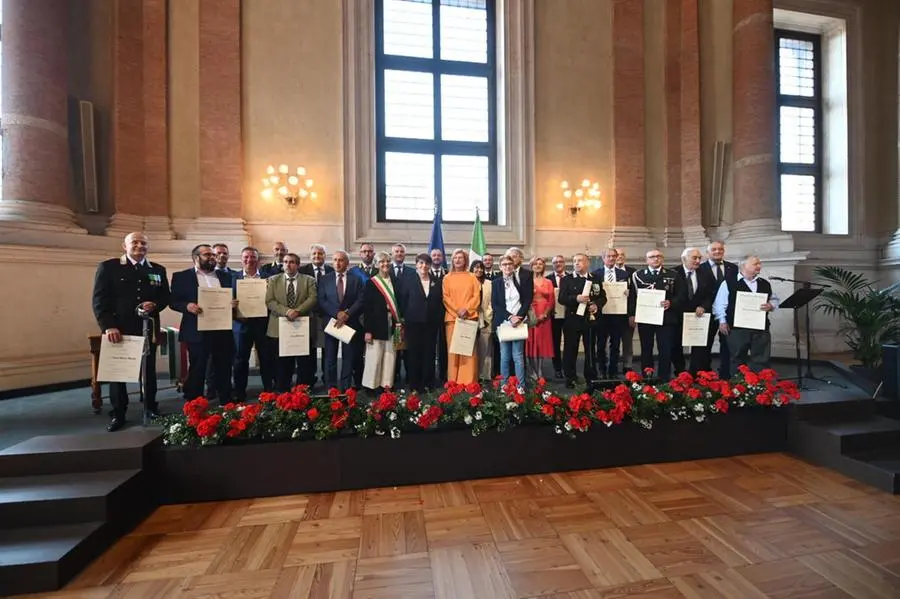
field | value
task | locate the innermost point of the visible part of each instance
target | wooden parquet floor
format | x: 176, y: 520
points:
x: 752, y: 526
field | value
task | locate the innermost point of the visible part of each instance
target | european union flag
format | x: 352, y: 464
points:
x: 437, y: 237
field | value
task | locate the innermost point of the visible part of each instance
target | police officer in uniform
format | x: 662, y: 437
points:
x: 125, y: 290
x: 656, y: 276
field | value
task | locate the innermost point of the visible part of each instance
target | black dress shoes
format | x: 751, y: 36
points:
x: 115, y: 424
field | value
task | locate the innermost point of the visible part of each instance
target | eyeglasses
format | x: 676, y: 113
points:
x: 654, y: 256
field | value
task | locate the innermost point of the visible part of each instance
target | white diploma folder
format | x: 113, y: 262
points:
x: 559, y: 310
x: 694, y: 329
x: 507, y: 332
x: 649, y: 308
x: 216, y: 305
x: 464, y: 334
x: 616, y: 297
x: 251, y: 297
x: 121, y: 362
x: 343, y: 334
x: 582, y: 308
x: 293, y: 337
x: 747, y: 311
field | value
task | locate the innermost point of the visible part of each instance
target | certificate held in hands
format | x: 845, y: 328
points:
x: 582, y: 308
x: 121, y: 362
x: 694, y: 329
x: 293, y: 337
x: 464, y: 334
x: 216, y: 305
x: 251, y: 297
x: 616, y: 297
x: 748, y: 313
x: 343, y: 334
x: 507, y: 332
x: 649, y: 308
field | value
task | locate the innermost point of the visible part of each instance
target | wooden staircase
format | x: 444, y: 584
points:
x: 850, y: 436
x: 64, y: 499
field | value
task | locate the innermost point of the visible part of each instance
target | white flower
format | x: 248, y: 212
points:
x: 708, y: 395
x: 568, y: 426
x: 698, y: 407
x: 165, y: 441
x: 646, y: 424
x: 395, y: 433
x: 295, y: 434
x: 511, y: 405
x: 674, y: 416
x: 403, y: 402
x: 392, y: 416
x: 700, y: 418
x: 305, y: 426
x: 546, y: 395
x: 520, y: 390
x: 174, y: 428
x: 467, y: 419
x: 558, y: 430
x: 608, y: 423
x: 378, y: 431
x: 478, y: 415
x: 241, y: 408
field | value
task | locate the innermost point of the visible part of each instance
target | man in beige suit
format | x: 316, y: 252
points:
x: 290, y: 295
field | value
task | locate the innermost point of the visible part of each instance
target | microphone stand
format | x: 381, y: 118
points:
x: 809, y: 373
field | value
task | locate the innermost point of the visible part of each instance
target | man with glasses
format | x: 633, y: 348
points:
x: 656, y: 276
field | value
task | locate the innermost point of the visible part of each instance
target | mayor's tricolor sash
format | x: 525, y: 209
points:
x: 387, y: 291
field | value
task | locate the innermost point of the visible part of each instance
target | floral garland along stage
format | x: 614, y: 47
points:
x: 298, y: 415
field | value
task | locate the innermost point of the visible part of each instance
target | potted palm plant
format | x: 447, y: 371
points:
x: 868, y: 317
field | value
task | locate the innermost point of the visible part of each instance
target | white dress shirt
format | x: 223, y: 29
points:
x: 207, y: 279
x: 720, y: 305
x: 513, y: 299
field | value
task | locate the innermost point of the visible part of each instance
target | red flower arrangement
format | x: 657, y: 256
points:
x: 499, y: 405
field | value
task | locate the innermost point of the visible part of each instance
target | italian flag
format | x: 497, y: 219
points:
x: 478, y: 248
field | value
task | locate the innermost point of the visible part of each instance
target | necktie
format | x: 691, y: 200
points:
x: 340, y: 287
x: 398, y: 271
x: 690, y: 281
x: 318, y: 273
x: 719, y: 275
x: 291, y: 293
x: 610, y: 275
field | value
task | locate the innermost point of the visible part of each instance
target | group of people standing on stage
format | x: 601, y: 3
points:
x: 406, y: 316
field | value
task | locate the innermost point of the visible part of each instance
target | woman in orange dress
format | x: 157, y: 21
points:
x: 540, y: 332
x: 462, y: 298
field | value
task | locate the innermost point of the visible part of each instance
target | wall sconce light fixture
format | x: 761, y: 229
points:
x: 586, y: 196
x: 292, y: 188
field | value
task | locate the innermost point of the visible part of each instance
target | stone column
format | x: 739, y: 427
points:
x: 220, y: 143
x: 140, y: 161
x: 755, y: 209
x: 629, y: 146
x: 37, y: 176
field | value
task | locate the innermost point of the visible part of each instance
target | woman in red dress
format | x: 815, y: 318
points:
x: 540, y: 332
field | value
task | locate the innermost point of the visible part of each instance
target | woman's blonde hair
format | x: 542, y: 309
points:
x: 465, y: 254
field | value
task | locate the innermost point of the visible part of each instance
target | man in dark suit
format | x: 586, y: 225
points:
x: 437, y: 272
x: 489, y: 273
x: 317, y: 269
x: 656, y: 276
x: 720, y: 270
x: 340, y: 296
x: 628, y: 331
x: 366, y: 267
x: 249, y: 332
x: 125, y: 289
x: 578, y: 327
x: 203, y: 345
x: 279, y: 250
x: 556, y: 277
x: 609, y: 327
x: 222, y: 254
x: 401, y: 275
x: 699, y: 287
